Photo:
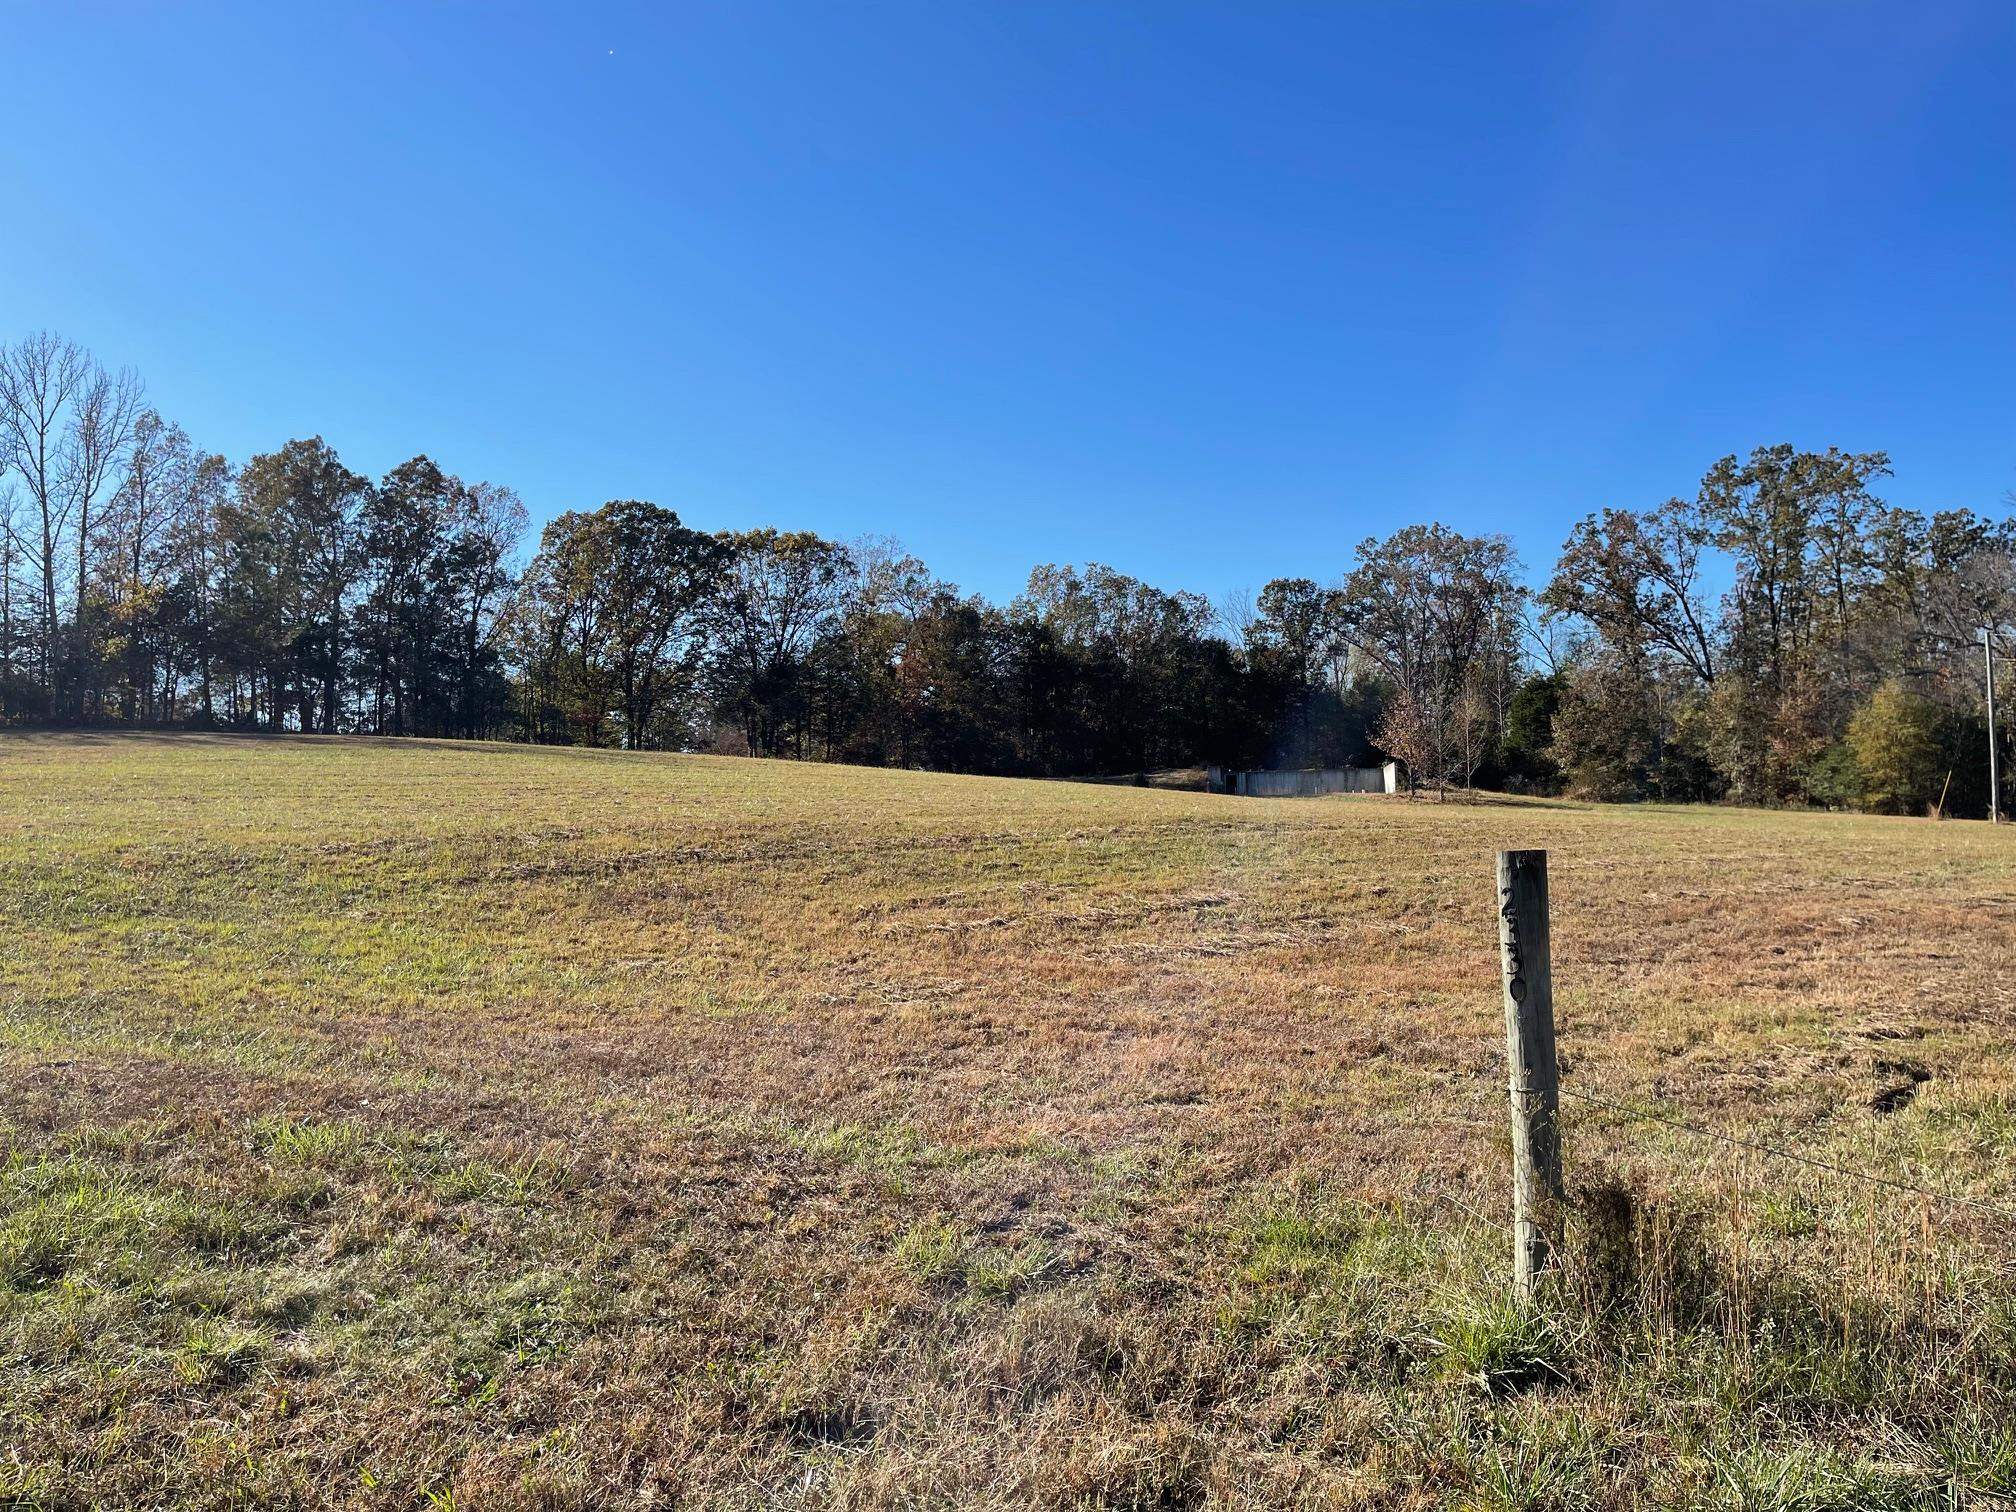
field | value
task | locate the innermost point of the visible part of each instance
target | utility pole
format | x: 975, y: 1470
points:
x: 1994, y: 769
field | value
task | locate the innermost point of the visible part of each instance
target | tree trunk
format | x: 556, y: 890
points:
x: 49, y: 609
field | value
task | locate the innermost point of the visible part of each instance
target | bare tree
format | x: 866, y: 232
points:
x: 96, y: 439
x: 10, y: 566
x: 40, y: 378
x: 1411, y: 734
x: 888, y: 578
x: 64, y: 426
x: 1550, y: 642
x: 1236, y: 615
x: 1476, y: 718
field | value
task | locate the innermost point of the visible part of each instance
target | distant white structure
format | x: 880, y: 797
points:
x: 1310, y: 783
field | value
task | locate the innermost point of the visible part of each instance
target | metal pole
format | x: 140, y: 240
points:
x: 1994, y: 768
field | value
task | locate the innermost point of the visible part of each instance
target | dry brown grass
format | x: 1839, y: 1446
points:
x: 403, y: 1121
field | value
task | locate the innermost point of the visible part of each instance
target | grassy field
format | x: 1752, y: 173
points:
x: 413, y: 1124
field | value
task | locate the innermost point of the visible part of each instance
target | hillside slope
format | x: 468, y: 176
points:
x: 541, y: 1127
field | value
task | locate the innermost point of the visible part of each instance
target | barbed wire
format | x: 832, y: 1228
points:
x: 1994, y: 1210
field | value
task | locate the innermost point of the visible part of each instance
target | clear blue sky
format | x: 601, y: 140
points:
x: 1207, y: 293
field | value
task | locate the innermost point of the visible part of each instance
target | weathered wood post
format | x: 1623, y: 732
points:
x: 1537, y: 1195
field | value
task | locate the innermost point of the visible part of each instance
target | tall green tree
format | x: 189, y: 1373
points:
x: 1437, y: 613
x: 296, y: 556
x: 1894, y: 739
x: 612, y: 622
x: 780, y: 592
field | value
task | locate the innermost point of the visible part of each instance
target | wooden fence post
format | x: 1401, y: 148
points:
x: 1537, y: 1194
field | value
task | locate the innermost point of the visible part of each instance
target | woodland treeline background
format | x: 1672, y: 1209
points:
x: 1780, y: 636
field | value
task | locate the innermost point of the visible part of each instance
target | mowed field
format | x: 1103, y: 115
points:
x: 424, y: 1124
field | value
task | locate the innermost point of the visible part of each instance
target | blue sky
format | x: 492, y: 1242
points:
x: 1207, y: 293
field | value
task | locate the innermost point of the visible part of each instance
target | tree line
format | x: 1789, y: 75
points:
x: 1784, y: 636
